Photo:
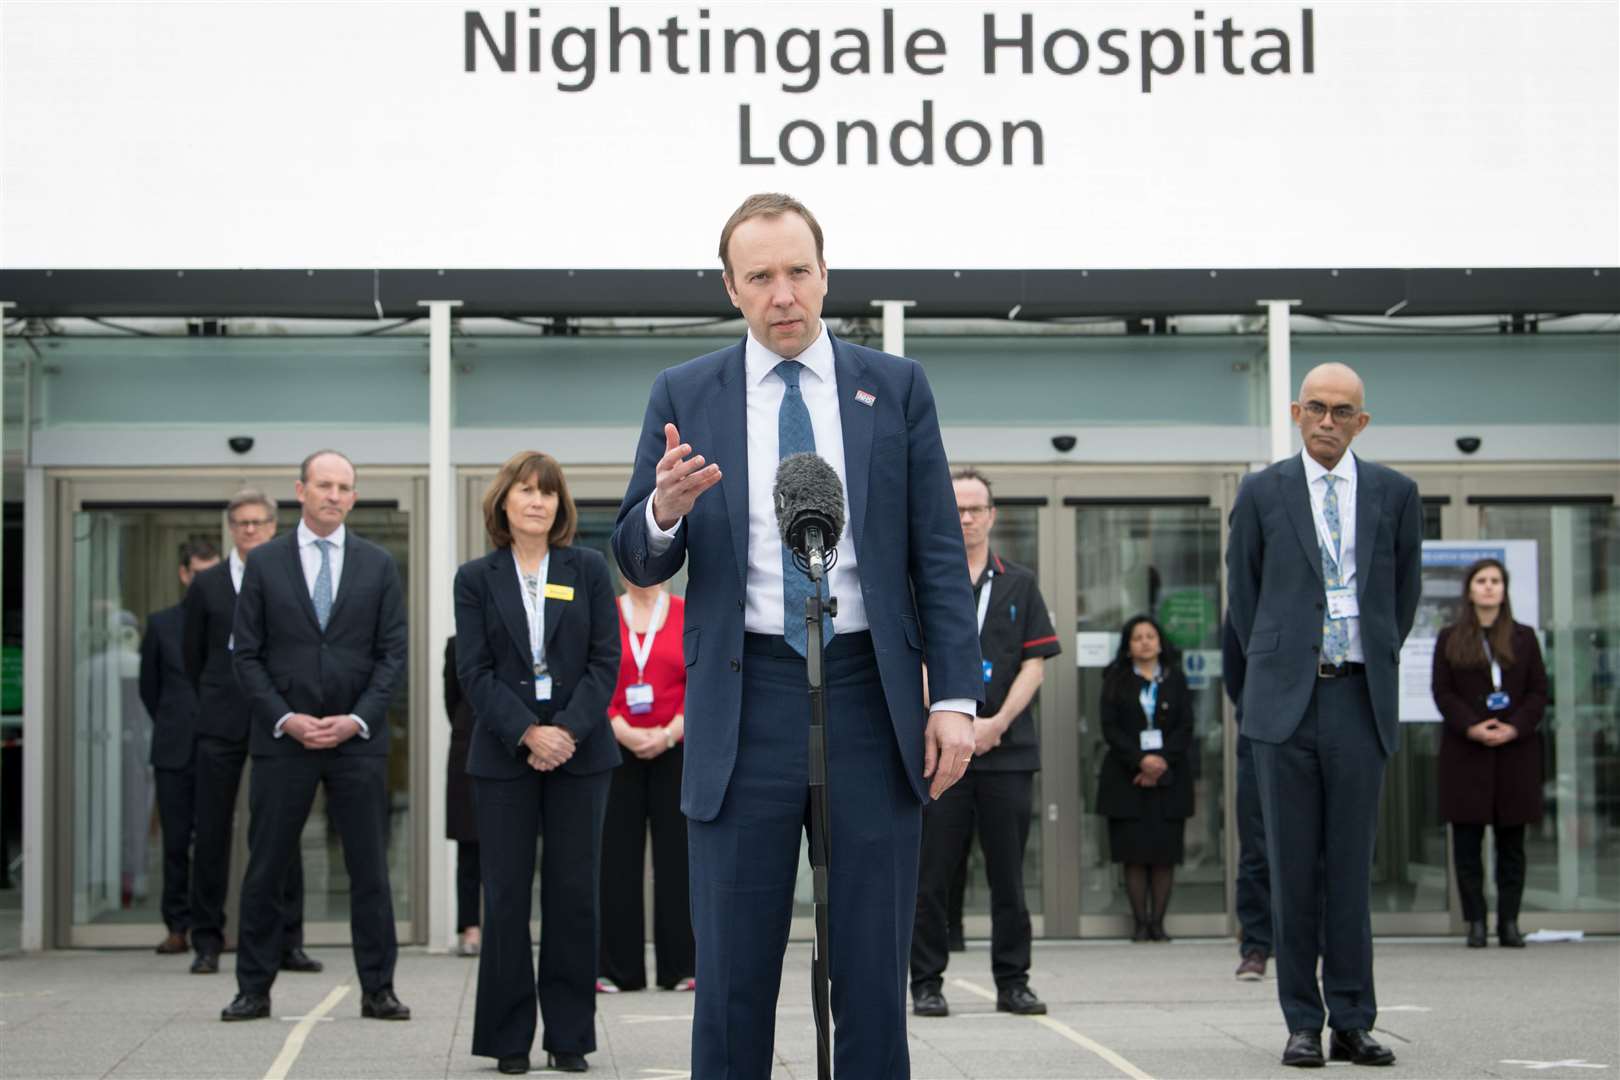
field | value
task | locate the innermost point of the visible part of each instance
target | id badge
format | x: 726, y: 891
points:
x: 1342, y: 604
x: 1498, y: 701
x: 989, y: 669
x: 542, y: 688
x: 639, y: 697
x: 1152, y: 739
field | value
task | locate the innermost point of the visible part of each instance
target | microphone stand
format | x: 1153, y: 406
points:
x: 816, y: 563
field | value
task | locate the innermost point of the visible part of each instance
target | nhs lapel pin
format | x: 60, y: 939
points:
x: 865, y: 398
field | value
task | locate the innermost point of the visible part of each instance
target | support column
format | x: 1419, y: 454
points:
x: 894, y: 324
x: 1279, y: 364
x: 441, y: 556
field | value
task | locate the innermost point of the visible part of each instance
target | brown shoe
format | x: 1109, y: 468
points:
x: 1253, y: 967
x: 174, y: 943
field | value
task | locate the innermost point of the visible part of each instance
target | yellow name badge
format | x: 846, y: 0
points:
x: 559, y: 592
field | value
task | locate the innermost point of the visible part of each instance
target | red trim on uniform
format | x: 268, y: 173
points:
x: 999, y: 568
x: 1040, y: 641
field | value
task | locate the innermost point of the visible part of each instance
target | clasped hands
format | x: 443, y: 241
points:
x: 321, y: 732
x: 1152, y: 767
x: 549, y: 746
x: 1493, y: 732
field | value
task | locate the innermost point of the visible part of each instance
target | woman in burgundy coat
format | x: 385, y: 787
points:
x: 1491, y: 688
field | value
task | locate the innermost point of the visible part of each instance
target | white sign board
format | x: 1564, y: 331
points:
x: 1094, y: 648
x: 1444, y: 564
x: 982, y: 134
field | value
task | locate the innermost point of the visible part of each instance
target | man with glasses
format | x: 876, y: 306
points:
x: 1322, y: 585
x: 1015, y: 639
x: 222, y: 742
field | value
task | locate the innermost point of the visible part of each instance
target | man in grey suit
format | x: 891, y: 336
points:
x: 1322, y: 585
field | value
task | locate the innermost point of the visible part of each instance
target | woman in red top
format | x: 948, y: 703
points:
x: 647, y: 713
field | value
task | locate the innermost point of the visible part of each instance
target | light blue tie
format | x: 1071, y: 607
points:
x: 794, y: 435
x: 1335, y: 632
x: 323, y: 585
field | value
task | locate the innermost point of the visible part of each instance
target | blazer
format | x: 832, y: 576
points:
x: 285, y: 663
x: 497, y: 671
x: 1276, y: 597
x: 166, y: 692
x: 1122, y: 726
x: 210, y: 612
x: 1482, y: 785
x: 901, y: 513
x: 459, y: 824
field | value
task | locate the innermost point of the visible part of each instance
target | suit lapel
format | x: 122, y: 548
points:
x: 728, y: 435
x: 346, y: 582
x: 562, y: 572
x: 1297, y: 497
x: 505, y: 587
x: 858, y: 423
x: 1368, y: 491
x: 295, y: 568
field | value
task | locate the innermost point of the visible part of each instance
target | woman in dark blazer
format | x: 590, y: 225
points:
x: 537, y: 643
x: 1145, y: 785
x: 1490, y: 686
x: 458, y: 809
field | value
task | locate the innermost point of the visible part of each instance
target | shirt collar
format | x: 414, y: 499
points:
x: 1345, y: 470
x: 306, y: 535
x: 817, y: 359
x: 238, y: 564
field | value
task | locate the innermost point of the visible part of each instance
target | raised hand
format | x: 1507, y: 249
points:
x: 679, y: 480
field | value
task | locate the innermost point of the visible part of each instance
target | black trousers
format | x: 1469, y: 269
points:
x: 218, y: 769
x: 646, y: 793
x: 468, y: 876
x: 176, y: 799
x: 567, y: 811
x: 1253, y: 875
x: 1000, y: 803
x: 1319, y: 793
x: 1467, y: 842
x: 280, y: 797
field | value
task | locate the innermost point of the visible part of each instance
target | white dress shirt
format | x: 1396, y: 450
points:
x: 763, y: 394
x: 309, y: 556
x: 238, y: 568
x: 1345, y: 489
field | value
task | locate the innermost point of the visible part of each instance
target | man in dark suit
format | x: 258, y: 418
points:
x: 1322, y: 579
x: 903, y: 594
x: 171, y: 702
x: 320, y: 649
x: 222, y: 742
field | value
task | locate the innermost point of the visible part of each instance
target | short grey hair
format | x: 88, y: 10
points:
x: 250, y: 497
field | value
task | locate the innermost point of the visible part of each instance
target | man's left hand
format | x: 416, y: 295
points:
x: 341, y: 728
x: 947, y: 749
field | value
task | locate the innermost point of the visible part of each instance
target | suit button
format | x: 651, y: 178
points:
x: 741, y: 606
x: 1316, y: 648
x: 1319, y: 606
x: 736, y: 665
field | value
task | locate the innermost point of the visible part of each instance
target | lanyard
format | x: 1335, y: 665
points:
x: 1149, y: 698
x: 535, y: 607
x: 984, y: 597
x: 641, y: 647
x: 1496, y: 669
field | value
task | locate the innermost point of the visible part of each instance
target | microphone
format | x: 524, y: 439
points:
x: 809, y: 507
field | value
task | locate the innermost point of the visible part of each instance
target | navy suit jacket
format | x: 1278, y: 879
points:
x: 166, y: 691
x: 908, y: 543
x: 286, y: 663
x: 1276, y: 592
x: 497, y: 672
x: 210, y: 612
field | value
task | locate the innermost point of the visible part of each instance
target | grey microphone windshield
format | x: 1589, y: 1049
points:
x: 808, y: 495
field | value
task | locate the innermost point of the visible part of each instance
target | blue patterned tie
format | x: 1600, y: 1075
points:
x: 323, y: 585
x: 794, y: 435
x: 1335, y: 632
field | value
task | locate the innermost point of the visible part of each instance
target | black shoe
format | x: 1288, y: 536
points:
x: 955, y: 941
x: 296, y: 959
x: 1020, y: 1000
x: 247, y: 1007
x: 1358, y: 1047
x: 1476, y: 934
x: 516, y: 1065
x: 563, y: 1061
x: 929, y: 1003
x: 207, y: 963
x: 383, y: 1005
x: 1156, y: 931
x: 1507, y: 933
x: 1141, y: 933
x: 1304, y: 1050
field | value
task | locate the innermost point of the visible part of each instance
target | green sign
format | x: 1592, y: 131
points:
x: 1188, y: 617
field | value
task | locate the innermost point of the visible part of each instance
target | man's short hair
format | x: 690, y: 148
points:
x: 197, y: 549
x: 303, y: 466
x: 249, y: 497
x: 547, y: 475
x: 968, y: 472
x: 768, y: 204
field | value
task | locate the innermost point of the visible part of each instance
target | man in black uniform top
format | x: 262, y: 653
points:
x: 1016, y: 638
x: 222, y: 742
x: 171, y: 702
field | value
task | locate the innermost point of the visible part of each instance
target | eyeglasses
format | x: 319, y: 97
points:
x: 251, y: 523
x: 1342, y: 414
x: 973, y: 511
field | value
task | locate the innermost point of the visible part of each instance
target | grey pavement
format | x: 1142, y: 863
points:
x: 1163, y: 1011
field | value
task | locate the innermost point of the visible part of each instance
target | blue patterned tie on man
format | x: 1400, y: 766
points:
x: 795, y: 435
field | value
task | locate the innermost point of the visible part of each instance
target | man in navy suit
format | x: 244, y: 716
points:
x: 1323, y: 570
x: 903, y: 596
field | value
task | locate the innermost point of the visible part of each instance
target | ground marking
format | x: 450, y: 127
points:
x: 1058, y: 1026
x: 295, y: 1038
x: 667, y: 1074
x: 1572, y: 1063
x: 652, y: 1018
x: 1404, y: 1008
